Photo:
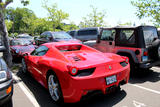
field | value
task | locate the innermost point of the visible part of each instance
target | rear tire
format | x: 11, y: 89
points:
x: 54, y: 88
x: 24, y: 66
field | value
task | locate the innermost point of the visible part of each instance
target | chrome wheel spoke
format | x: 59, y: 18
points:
x: 53, y: 88
x: 56, y: 93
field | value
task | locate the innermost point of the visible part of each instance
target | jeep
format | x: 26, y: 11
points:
x: 141, y: 44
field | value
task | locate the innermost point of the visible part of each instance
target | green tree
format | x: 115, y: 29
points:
x: 71, y: 26
x: 93, y: 19
x: 22, y: 19
x: 41, y: 25
x: 57, y: 16
x: 3, y: 29
x: 148, y: 8
x: 9, y: 24
x: 125, y: 24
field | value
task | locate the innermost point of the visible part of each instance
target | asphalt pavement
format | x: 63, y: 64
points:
x: 143, y: 90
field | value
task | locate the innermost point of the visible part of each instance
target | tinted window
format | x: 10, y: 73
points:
x: 24, y: 36
x: 126, y: 37
x: 108, y: 35
x: 72, y: 33
x: 150, y: 33
x: 61, y: 35
x: 43, y: 35
x: 87, y: 32
x: 40, y: 51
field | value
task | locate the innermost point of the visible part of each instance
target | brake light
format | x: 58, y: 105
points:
x: 145, y: 53
x: 126, y: 59
x: 72, y: 70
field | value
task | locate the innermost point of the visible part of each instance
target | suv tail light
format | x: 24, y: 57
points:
x: 145, y: 53
x: 145, y: 56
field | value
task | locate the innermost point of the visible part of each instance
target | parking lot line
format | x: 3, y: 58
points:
x: 148, y: 89
x: 30, y: 97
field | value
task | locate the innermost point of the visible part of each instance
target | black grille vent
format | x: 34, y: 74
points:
x: 123, y: 64
x: 76, y: 58
x: 85, y: 72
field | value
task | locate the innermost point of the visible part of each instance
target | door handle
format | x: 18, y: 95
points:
x: 110, y: 43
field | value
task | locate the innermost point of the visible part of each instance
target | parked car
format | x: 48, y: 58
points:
x: 141, y: 44
x: 71, y: 70
x: 20, y: 47
x: 72, y: 33
x: 49, y: 36
x: 85, y: 34
x: 25, y: 36
x: 6, y: 83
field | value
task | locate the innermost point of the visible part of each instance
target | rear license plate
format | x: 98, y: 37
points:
x: 111, y: 79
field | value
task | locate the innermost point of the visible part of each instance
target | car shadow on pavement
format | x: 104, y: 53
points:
x: 43, y: 98
x: 39, y: 92
x: 100, y: 100
x: 142, y: 76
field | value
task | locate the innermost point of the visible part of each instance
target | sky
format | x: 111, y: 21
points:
x: 117, y: 11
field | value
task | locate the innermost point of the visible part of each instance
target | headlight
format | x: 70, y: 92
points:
x: 3, y: 76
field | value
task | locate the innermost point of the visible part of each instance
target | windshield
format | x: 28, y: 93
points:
x: 61, y: 35
x: 150, y: 33
x: 19, y: 42
x: 24, y: 36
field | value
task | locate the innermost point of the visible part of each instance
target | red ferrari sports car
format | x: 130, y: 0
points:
x: 71, y: 70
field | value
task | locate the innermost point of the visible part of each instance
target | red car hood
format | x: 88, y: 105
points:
x: 23, y: 49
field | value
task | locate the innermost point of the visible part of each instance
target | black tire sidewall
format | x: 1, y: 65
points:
x: 24, y: 70
x: 153, y: 49
x: 60, y: 101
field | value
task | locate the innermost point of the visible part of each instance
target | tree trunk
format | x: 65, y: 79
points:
x: 4, y: 34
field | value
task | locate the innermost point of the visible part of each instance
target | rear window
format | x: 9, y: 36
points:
x: 150, y: 33
x: 87, y: 32
x: 69, y: 48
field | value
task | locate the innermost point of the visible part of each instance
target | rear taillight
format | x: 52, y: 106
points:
x: 126, y: 59
x: 145, y: 53
x: 72, y: 70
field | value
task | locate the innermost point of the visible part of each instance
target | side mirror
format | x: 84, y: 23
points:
x: 26, y: 54
x: 2, y: 49
x: 51, y: 38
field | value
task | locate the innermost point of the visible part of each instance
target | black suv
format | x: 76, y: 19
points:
x: 6, y: 83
